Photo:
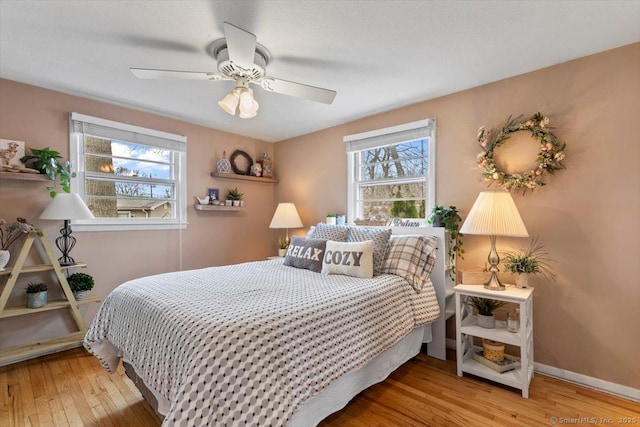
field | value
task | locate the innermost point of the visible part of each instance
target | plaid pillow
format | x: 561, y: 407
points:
x: 412, y: 258
x: 380, y: 237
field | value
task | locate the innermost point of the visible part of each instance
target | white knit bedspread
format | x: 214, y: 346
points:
x: 248, y: 344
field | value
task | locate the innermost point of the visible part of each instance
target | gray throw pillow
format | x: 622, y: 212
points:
x: 305, y: 253
x: 338, y: 233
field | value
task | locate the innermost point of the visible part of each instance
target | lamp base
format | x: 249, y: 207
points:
x: 65, y: 242
x: 494, y: 283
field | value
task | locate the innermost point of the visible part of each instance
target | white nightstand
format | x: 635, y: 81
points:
x: 467, y: 329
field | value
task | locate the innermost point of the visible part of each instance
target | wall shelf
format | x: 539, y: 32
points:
x: 217, y: 208
x: 19, y: 176
x: 243, y: 177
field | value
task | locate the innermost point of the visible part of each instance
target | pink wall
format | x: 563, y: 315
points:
x: 587, y: 320
x: 40, y: 118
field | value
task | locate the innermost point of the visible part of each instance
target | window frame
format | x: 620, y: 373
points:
x: 356, y: 143
x: 179, y: 162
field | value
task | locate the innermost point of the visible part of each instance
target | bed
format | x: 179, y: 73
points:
x: 263, y: 343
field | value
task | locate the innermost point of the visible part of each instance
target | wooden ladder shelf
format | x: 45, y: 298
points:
x: 40, y: 348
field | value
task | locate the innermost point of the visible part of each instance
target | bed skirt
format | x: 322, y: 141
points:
x: 338, y: 394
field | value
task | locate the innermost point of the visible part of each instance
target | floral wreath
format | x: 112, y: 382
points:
x: 549, y: 157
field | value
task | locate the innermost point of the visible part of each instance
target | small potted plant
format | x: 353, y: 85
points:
x: 332, y: 219
x: 527, y: 261
x: 437, y: 216
x: 234, y: 196
x: 80, y: 284
x: 283, y: 245
x: 486, y: 307
x: 45, y: 161
x: 36, y: 295
x: 450, y: 219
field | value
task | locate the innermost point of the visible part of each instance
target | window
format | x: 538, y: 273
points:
x: 130, y: 177
x: 391, y: 172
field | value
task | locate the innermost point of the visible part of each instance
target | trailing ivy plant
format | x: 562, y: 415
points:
x: 46, y: 161
x: 451, y: 220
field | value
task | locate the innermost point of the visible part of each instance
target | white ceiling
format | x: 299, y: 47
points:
x: 378, y: 55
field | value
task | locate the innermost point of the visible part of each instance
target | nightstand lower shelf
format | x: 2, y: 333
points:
x: 511, y: 378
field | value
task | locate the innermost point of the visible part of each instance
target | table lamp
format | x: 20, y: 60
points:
x: 493, y: 214
x: 286, y: 216
x: 66, y: 206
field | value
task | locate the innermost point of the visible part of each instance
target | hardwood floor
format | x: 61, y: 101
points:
x: 72, y: 389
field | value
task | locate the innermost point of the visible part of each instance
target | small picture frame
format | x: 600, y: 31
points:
x: 11, y: 152
x: 213, y: 193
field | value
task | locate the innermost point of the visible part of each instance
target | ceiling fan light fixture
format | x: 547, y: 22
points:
x: 248, y: 106
x: 230, y: 102
x: 247, y: 115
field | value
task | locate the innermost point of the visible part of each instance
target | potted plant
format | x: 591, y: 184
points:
x: 80, y: 284
x: 235, y: 196
x: 527, y: 261
x: 486, y: 307
x: 283, y: 245
x: 46, y: 161
x: 36, y: 295
x: 332, y: 219
x: 436, y: 217
x: 450, y: 219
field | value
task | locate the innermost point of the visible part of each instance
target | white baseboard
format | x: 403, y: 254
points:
x: 591, y: 382
x: 580, y: 379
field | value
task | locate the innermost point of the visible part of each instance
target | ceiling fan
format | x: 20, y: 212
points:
x: 242, y: 59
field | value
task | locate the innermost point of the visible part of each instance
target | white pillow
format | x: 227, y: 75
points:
x: 351, y: 259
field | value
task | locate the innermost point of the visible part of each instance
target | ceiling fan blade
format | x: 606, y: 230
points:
x: 298, y: 90
x: 146, y: 73
x: 241, y: 45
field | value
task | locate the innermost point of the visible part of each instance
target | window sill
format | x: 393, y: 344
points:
x: 127, y: 227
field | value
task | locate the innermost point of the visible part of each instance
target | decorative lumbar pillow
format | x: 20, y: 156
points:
x: 380, y: 238
x: 339, y: 233
x: 350, y: 259
x: 412, y: 258
x: 305, y: 253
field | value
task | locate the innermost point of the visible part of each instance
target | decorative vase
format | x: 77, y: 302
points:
x: 487, y: 322
x: 223, y: 165
x: 282, y: 252
x: 522, y: 280
x: 4, y: 259
x: 236, y: 203
x: 493, y: 350
x: 228, y: 202
x: 37, y: 300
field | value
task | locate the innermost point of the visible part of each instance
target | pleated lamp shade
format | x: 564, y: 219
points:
x: 286, y: 216
x: 494, y: 213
